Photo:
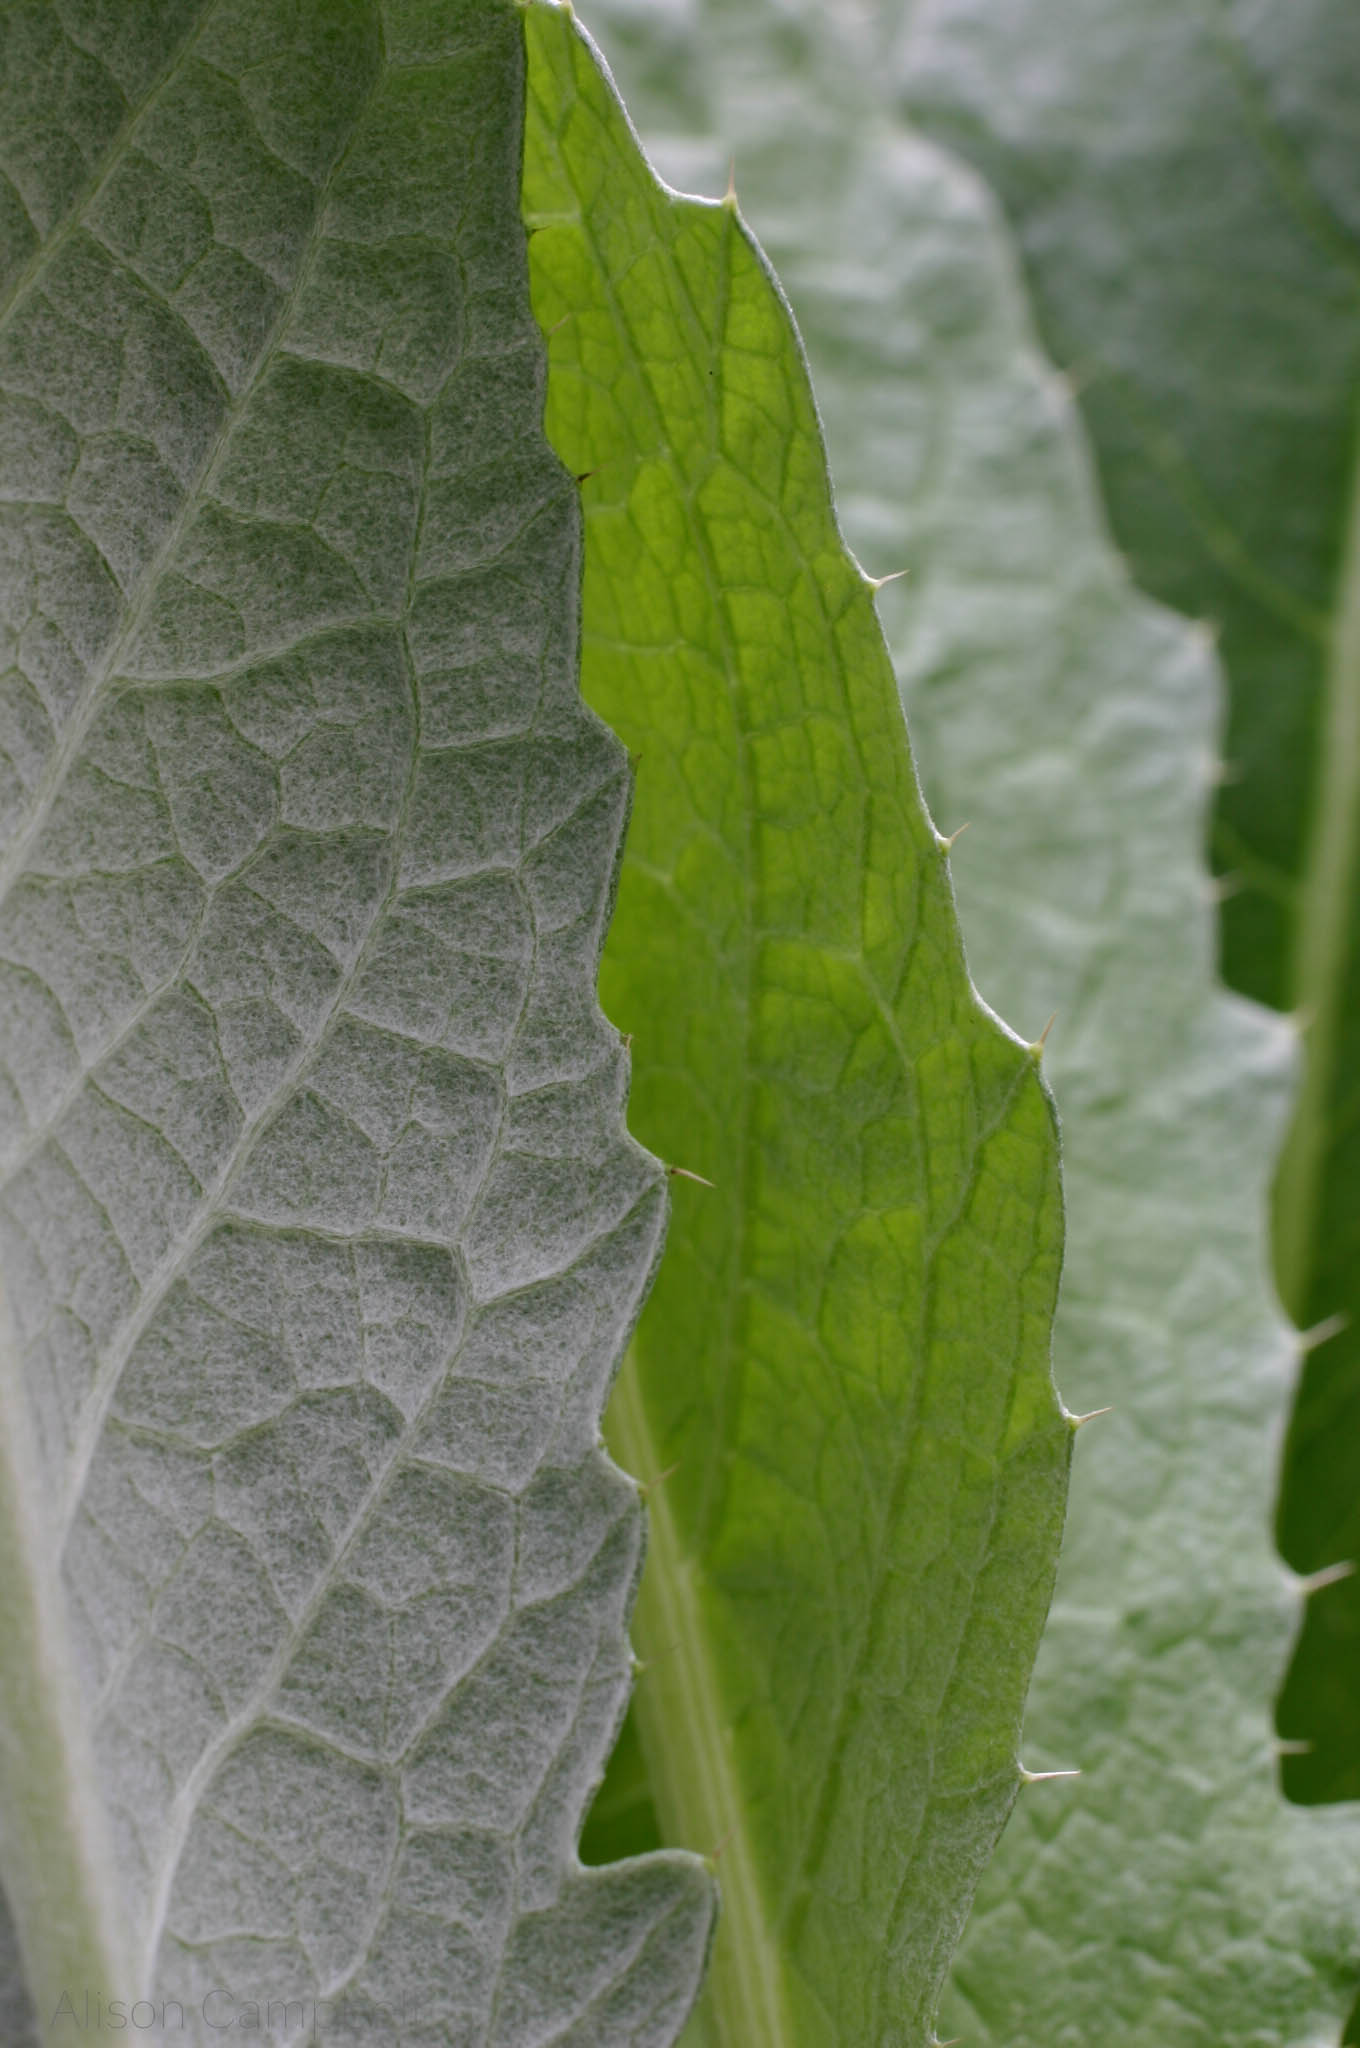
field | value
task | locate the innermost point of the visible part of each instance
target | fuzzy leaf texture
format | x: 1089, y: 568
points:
x: 1184, y: 182
x: 844, y: 1366
x: 321, y: 1231
x: 1167, y: 1898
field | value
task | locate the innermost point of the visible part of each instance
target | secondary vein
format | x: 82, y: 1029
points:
x: 745, y: 1984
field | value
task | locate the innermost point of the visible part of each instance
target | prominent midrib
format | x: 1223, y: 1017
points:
x: 745, y: 1985
x: 58, y: 1868
x: 1323, y: 931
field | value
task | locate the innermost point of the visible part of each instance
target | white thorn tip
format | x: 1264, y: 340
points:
x: 946, y: 845
x: 1043, y: 1777
x: 1075, y: 1422
x: 893, y: 576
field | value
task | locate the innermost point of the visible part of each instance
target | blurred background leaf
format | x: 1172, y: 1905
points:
x: 1183, y: 180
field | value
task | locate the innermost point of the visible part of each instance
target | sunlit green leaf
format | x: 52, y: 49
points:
x: 1168, y: 1895
x: 844, y: 1365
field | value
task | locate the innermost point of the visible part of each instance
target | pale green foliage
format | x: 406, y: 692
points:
x: 1184, y: 180
x: 322, y: 1235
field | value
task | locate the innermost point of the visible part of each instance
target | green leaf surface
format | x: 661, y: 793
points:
x: 844, y: 1366
x: 321, y: 1232
x: 1167, y: 1898
x: 1184, y: 180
